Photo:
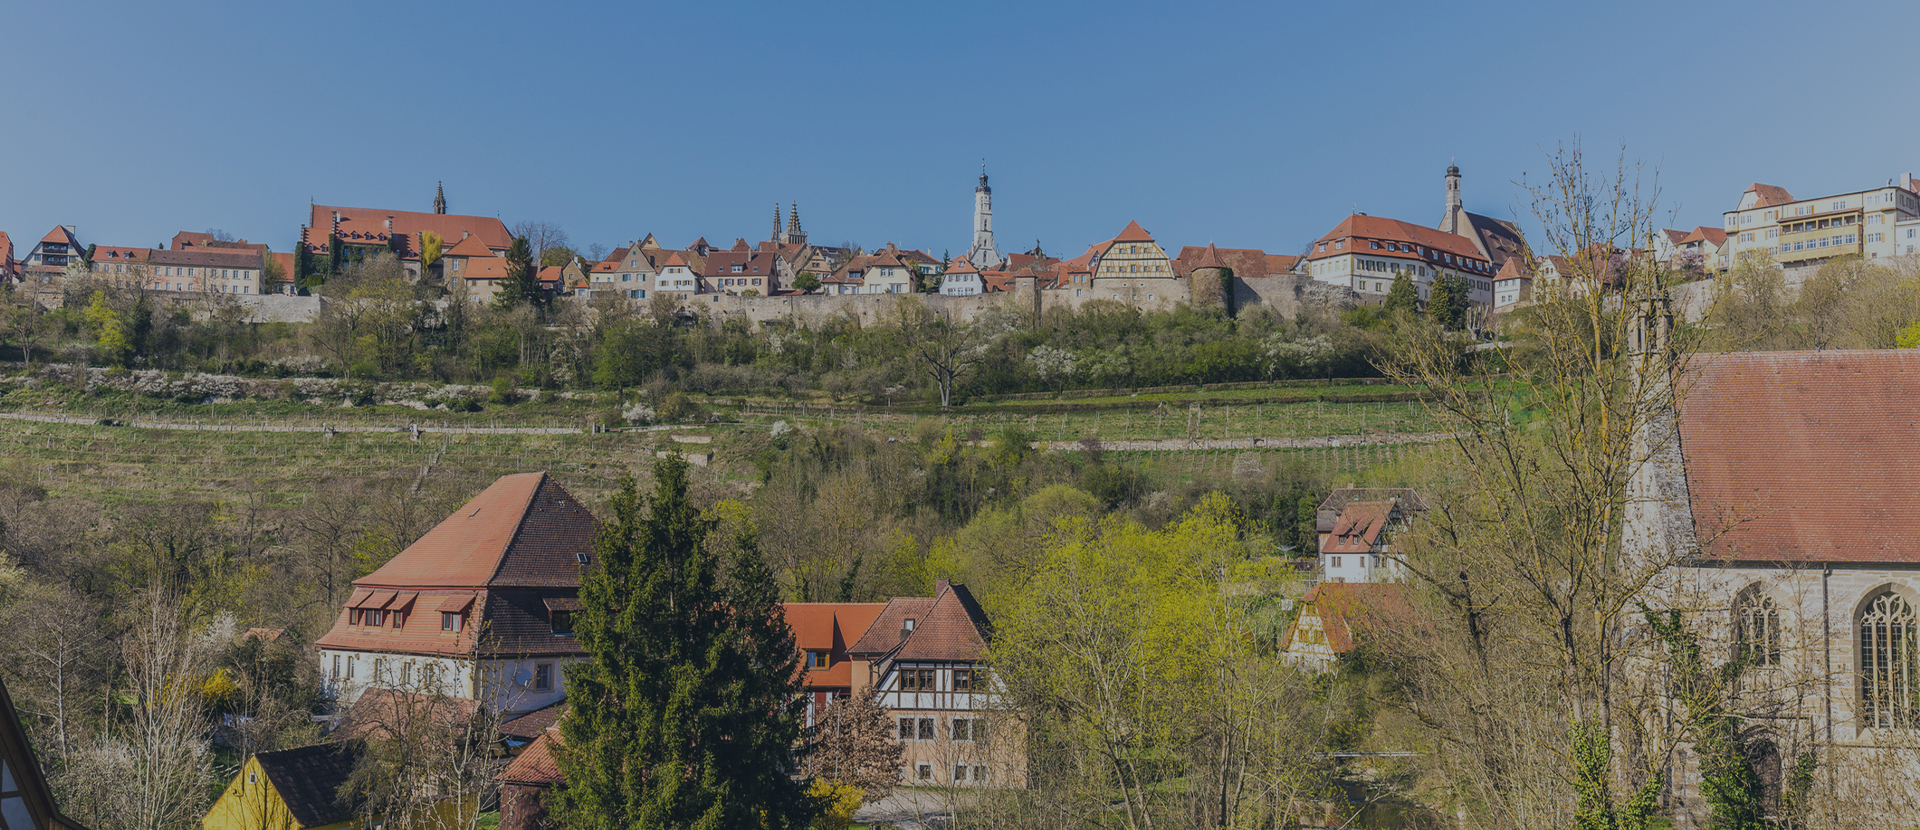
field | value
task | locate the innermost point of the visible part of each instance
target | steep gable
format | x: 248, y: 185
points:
x: 308, y: 780
x: 523, y: 531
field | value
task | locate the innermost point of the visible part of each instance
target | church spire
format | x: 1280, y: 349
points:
x: 793, y: 220
x: 439, y: 197
x: 983, y: 254
x: 775, y: 238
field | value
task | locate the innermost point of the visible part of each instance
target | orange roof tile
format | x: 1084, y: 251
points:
x: 60, y: 235
x: 371, y: 223
x: 524, y: 530
x: 1382, y: 229
x: 469, y: 247
x: 831, y: 627
x: 535, y: 765
x: 1359, y: 527
x: 1347, y: 609
x: 1134, y: 233
x: 1769, y: 195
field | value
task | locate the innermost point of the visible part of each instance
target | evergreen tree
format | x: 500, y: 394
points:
x: 1402, y: 296
x: 521, y: 283
x: 1447, y: 305
x: 688, y: 710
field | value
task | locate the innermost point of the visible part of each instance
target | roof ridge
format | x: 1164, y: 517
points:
x: 533, y: 500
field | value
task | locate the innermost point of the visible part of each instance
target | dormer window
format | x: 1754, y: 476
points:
x: 818, y: 659
x: 450, y: 621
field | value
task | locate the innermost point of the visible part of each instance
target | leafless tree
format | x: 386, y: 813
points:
x: 854, y: 743
x: 540, y: 235
x: 947, y: 349
x: 58, y: 648
x: 166, y: 732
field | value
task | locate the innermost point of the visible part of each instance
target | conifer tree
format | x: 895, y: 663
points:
x: 687, y: 711
x: 1447, y: 305
x: 1402, y: 296
x: 520, y: 283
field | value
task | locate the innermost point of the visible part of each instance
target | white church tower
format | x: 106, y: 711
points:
x: 983, y: 255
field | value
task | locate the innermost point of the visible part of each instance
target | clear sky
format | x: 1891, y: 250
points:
x: 1248, y: 124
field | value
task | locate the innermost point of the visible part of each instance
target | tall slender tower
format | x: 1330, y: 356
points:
x: 440, y: 197
x: 795, y: 236
x: 983, y: 254
x: 1454, y: 221
x: 775, y: 238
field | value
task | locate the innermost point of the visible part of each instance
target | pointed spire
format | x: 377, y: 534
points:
x: 793, y: 219
x: 776, y: 222
x: 440, y: 197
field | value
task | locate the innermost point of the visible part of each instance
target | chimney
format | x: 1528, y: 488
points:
x: 1906, y: 180
x: 940, y: 586
x: 389, y: 223
x: 906, y: 629
x: 464, y: 233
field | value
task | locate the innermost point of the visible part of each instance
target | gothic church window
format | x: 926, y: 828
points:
x: 1888, y: 683
x: 1756, y: 627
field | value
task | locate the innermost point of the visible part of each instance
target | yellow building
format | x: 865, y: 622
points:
x: 299, y: 789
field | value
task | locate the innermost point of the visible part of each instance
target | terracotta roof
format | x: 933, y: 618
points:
x: 550, y: 274
x: 752, y: 264
x: 1502, y: 238
x: 469, y: 247
x: 60, y: 235
x: 1364, y: 228
x: 1675, y: 237
x: 286, y: 267
x: 116, y: 253
x: 1512, y: 269
x: 524, y: 530
x: 1134, y: 233
x: 528, y: 727
x: 535, y: 765
x: 884, y: 634
x: 1245, y: 262
x: 310, y: 778
x: 484, y: 268
x: 830, y: 627
x: 1716, y: 236
x: 1282, y: 263
x: 1769, y: 195
x: 1348, y: 609
x: 371, y: 224
x: 1329, y: 510
x: 1804, y: 456
x: 1359, y: 527
x: 949, y: 626
x: 207, y: 258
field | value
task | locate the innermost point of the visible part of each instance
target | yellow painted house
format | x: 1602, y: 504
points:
x: 300, y: 789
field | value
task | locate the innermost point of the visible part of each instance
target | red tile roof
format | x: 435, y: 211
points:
x: 1364, y: 228
x: 529, y: 726
x: 382, y: 713
x: 1359, y: 527
x: 1769, y: 195
x: 1347, y: 610
x: 1246, y: 263
x: 117, y: 253
x: 286, y: 267
x: 948, y: 627
x: 524, y: 531
x: 1716, y: 236
x: 1282, y: 263
x: 469, y: 247
x: 1134, y: 233
x: 1804, y: 456
x: 60, y: 235
x: 484, y: 268
x: 535, y: 765
x: 371, y: 224
x: 831, y: 627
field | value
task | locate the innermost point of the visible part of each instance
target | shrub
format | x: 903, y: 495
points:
x: 503, y: 390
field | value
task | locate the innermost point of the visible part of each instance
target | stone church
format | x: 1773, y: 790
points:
x: 1786, y: 488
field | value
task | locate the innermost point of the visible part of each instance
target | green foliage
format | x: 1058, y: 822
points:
x: 687, y: 710
x: 806, y: 281
x: 1594, y: 806
x: 1447, y: 302
x: 111, y: 335
x: 521, y: 283
x: 1403, y: 296
x: 1908, y: 338
x: 503, y: 391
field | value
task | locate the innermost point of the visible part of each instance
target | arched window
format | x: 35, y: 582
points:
x: 1756, y: 627
x: 1888, y: 669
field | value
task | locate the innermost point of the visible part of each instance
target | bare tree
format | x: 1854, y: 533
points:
x: 55, y: 642
x: 166, y: 732
x: 947, y: 349
x: 854, y: 744
x: 541, y: 235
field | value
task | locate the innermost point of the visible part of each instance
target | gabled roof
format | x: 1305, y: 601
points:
x: 1803, y: 456
x: 309, y: 780
x: 1713, y: 236
x: 740, y: 244
x: 1512, y: 269
x: 371, y: 224
x: 1347, y: 610
x: 1246, y: 262
x: 535, y: 766
x: 1329, y: 510
x: 1282, y: 263
x: 469, y: 247
x: 1359, y: 527
x: 60, y: 236
x: 1767, y: 195
x: 550, y: 275
x: 528, y: 727
x: 949, y: 626
x: 1134, y: 233
x: 382, y: 713
x: 1361, y: 227
x: 1499, y: 238
x: 1675, y: 237
x: 831, y: 627
x: 523, y: 531
x: 119, y: 253
x: 485, y: 268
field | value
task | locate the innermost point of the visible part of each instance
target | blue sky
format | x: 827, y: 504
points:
x: 1254, y: 124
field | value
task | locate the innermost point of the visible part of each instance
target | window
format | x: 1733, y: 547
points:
x: 1888, y: 628
x: 979, y: 772
x: 906, y: 729
x: 1756, y: 627
x: 925, y: 731
x: 543, y: 677
x: 817, y: 659
x: 926, y: 772
x: 916, y: 680
x: 562, y: 623
x: 375, y: 617
x: 1336, y: 561
x: 379, y: 669
x: 959, y: 772
x: 963, y: 680
x: 406, y: 673
x: 968, y: 729
x: 399, y: 619
x: 449, y: 621
x: 336, y: 668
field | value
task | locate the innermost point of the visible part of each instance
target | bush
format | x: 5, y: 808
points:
x: 678, y: 409
x: 503, y: 391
